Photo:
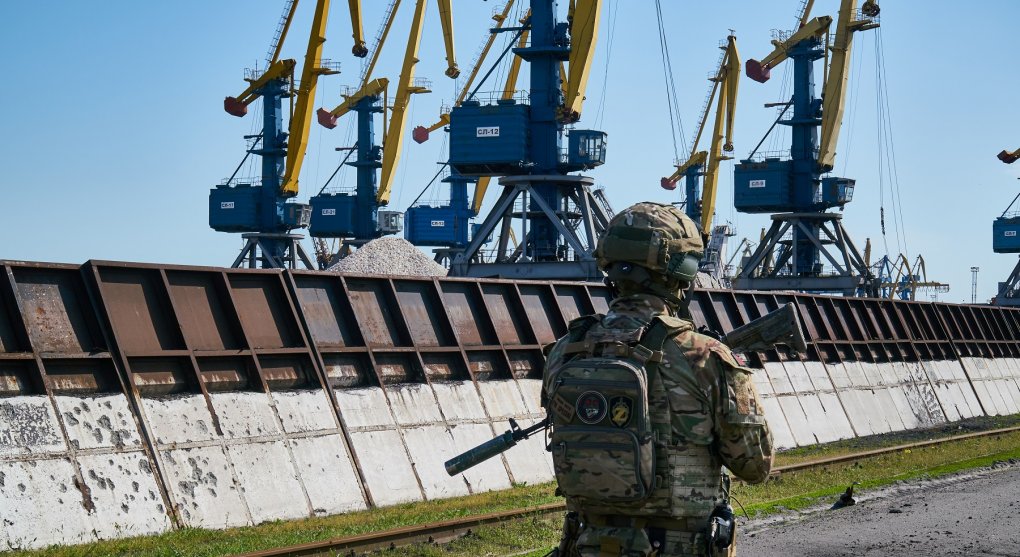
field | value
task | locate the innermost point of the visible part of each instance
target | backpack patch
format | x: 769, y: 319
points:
x: 591, y: 407
x: 620, y: 410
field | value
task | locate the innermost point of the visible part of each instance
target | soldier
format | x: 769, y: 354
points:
x: 645, y: 410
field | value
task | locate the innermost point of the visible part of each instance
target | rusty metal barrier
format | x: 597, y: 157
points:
x: 233, y: 355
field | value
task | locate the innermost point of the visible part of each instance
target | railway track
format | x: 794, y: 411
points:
x: 447, y: 530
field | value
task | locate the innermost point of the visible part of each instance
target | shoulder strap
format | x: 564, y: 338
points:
x: 661, y: 329
x: 577, y: 330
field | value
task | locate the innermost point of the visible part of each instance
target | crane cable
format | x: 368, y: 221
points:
x: 887, y: 151
x: 675, y: 122
x: 600, y: 111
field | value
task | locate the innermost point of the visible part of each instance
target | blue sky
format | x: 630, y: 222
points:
x: 114, y: 129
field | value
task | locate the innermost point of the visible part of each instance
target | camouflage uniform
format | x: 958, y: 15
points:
x: 703, y: 407
x: 714, y: 417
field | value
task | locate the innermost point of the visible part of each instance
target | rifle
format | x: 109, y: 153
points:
x: 781, y: 326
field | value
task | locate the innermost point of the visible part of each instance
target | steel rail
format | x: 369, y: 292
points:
x: 438, y: 532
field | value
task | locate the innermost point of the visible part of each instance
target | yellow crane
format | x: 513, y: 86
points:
x: 1009, y: 157
x: 725, y: 83
x: 393, y: 132
x: 837, y: 70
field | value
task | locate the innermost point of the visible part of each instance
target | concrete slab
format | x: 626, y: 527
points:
x: 28, y: 425
x: 955, y: 370
x: 529, y: 462
x: 179, y: 419
x: 327, y: 472
x: 818, y: 373
x: 927, y: 399
x: 859, y: 413
x: 459, y: 401
x: 886, y: 411
x: 817, y: 419
x: 855, y: 372
x: 761, y: 382
x: 244, y: 414
x: 126, y: 497
x: 904, y: 409
x: 782, y: 437
x: 798, y: 375
x: 269, y: 481
x: 977, y: 369
x: 503, y: 399
x: 364, y: 407
x: 389, y: 477
x: 838, y: 374
x: 202, y: 485
x: 835, y: 415
x: 413, y: 403
x: 98, y: 421
x: 531, y: 389
x: 777, y: 376
x: 800, y: 427
x: 489, y: 475
x: 430, y: 446
x: 302, y: 411
x: 40, y: 505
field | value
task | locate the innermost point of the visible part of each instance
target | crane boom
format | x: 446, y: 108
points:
x: 420, y: 134
x: 238, y: 106
x: 394, y: 139
x: 360, y: 49
x: 328, y: 118
x: 446, y: 19
x: 761, y: 71
x: 301, y: 119
x: 834, y: 93
x: 725, y: 83
x: 584, y: 32
x: 1009, y: 157
x: 728, y: 80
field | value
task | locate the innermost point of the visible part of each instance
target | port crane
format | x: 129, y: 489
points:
x: 797, y: 189
x: 522, y: 141
x: 700, y: 200
x: 1006, y: 239
x: 357, y: 216
x: 447, y: 225
x: 265, y: 212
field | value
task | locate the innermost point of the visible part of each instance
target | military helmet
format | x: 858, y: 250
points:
x: 658, y: 237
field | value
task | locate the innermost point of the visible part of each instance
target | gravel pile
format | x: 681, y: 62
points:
x: 389, y: 256
x: 705, y: 280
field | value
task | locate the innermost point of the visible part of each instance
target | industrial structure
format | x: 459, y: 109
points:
x: 1006, y: 240
x: 356, y: 216
x: 522, y: 141
x: 265, y: 212
x: 699, y: 200
x: 448, y: 225
x: 789, y: 257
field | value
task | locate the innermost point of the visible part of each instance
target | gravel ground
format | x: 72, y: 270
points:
x: 389, y: 256
x: 977, y: 513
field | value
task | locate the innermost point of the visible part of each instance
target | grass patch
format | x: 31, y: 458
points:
x: 533, y: 537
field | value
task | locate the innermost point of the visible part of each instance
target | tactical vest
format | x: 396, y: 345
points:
x: 614, y: 448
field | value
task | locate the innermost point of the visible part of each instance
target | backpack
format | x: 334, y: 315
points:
x: 603, y: 442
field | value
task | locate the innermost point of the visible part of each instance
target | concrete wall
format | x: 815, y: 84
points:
x: 135, y: 399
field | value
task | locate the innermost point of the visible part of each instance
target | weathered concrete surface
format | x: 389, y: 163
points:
x: 975, y: 514
x: 52, y: 494
x: 378, y: 444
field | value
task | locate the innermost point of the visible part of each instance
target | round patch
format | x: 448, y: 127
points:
x: 591, y: 407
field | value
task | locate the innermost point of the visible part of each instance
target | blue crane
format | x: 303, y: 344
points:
x: 790, y: 256
x: 265, y: 212
x: 1006, y: 239
x: 560, y: 218
x: 357, y: 216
